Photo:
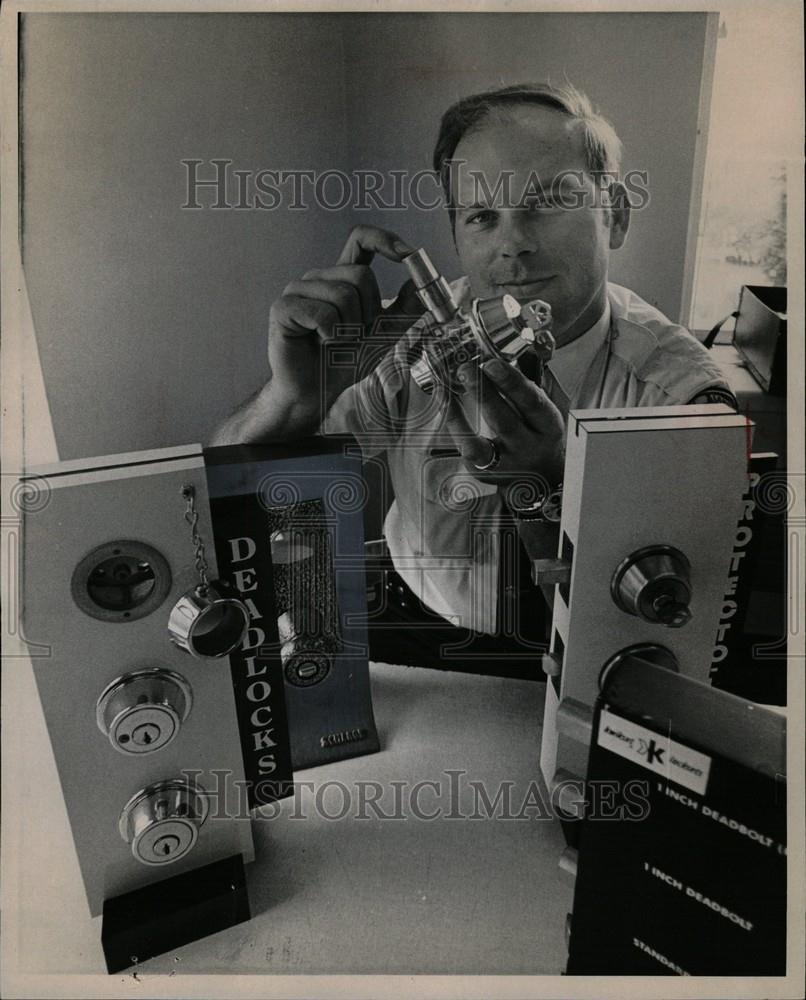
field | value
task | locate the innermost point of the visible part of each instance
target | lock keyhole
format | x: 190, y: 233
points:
x: 166, y: 846
x: 146, y: 734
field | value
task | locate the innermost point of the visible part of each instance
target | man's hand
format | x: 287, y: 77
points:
x: 308, y: 314
x: 311, y: 310
x: 527, y: 427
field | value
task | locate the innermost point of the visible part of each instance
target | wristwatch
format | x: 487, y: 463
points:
x: 547, y: 509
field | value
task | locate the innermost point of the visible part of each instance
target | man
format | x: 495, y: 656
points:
x: 536, y: 209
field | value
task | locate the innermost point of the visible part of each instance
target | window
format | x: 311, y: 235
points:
x: 753, y: 137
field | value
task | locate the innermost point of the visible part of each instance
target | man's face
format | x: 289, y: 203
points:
x: 520, y: 244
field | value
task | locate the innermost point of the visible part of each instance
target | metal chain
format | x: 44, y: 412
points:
x: 192, y: 518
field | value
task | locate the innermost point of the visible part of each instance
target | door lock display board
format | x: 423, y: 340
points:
x: 196, y: 605
x: 651, y: 500
x: 143, y: 721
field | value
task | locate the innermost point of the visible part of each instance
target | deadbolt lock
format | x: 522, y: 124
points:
x: 654, y: 584
x: 162, y: 822
x: 142, y: 711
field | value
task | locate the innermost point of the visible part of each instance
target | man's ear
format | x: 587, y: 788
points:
x: 618, y: 212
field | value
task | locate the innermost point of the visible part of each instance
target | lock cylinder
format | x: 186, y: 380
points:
x: 142, y: 711
x: 305, y: 593
x: 432, y: 289
x: 497, y: 327
x: 653, y: 584
x: 162, y: 822
x: 208, y: 622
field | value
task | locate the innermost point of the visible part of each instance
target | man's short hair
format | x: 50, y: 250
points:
x: 602, y: 145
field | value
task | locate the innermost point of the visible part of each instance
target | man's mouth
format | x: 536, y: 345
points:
x: 524, y: 289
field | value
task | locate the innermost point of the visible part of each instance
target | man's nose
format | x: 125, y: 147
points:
x: 518, y: 235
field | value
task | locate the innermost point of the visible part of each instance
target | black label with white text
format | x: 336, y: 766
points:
x: 696, y: 885
x: 243, y: 554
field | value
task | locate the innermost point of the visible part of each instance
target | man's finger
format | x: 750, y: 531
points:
x: 343, y: 296
x: 474, y: 449
x: 365, y: 241
x: 482, y: 400
x: 503, y: 417
x: 529, y: 400
x: 364, y: 281
x: 294, y: 316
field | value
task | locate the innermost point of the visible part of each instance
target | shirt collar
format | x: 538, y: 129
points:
x: 571, y: 362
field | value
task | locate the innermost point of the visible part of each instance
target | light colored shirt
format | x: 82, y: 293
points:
x: 443, y: 528
x: 570, y: 362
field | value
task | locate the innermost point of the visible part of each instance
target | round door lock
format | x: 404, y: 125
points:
x: 658, y: 656
x: 121, y: 581
x: 142, y: 711
x: 209, y: 623
x: 654, y: 584
x: 162, y: 822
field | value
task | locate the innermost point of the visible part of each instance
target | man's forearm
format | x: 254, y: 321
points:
x: 266, y: 416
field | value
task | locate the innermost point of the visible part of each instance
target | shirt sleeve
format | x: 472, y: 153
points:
x: 376, y: 407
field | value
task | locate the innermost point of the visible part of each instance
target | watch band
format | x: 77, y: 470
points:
x: 547, y: 509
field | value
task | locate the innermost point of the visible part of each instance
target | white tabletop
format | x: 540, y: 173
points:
x: 357, y: 895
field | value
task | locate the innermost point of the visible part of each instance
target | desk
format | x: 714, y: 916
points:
x: 342, y: 896
x: 766, y: 411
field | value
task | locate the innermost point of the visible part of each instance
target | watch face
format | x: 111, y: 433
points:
x: 548, y: 508
x: 533, y: 513
x: 552, y: 508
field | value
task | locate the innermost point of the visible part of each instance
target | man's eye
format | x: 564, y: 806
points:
x: 480, y: 218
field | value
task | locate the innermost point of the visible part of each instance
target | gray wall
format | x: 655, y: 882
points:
x: 150, y: 319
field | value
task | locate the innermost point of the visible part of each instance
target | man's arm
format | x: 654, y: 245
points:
x: 264, y: 417
x: 310, y: 313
